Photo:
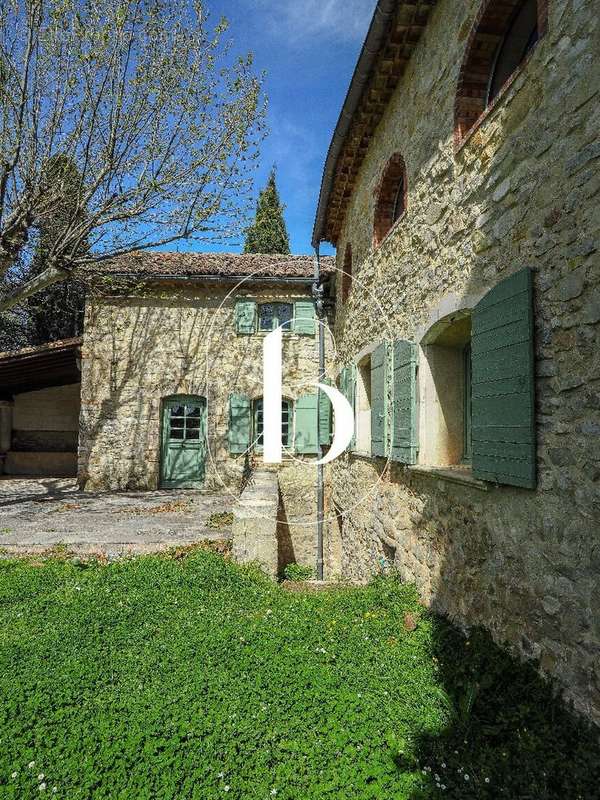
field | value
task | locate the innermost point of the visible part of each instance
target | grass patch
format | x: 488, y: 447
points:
x: 191, y: 677
x: 298, y: 572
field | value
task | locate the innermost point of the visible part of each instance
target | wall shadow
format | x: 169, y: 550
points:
x: 285, y: 544
x: 509, y: 735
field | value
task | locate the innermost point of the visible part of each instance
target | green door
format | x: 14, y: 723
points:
x: 183, y: 453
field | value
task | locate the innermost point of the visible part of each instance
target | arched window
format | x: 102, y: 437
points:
x: 502, y: 37
x: 391, y: 197
x: 347, y: 274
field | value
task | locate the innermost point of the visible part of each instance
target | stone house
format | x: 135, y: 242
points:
x: 461, y: 191
x: 171, y: 378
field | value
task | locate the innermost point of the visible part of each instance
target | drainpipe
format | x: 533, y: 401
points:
x: 317, y: 290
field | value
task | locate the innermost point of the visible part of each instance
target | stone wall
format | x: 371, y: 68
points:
x: 141, y: 349
x: 255, y: 523
x: 523, y: 191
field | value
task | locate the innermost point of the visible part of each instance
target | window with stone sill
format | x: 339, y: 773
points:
x: 272, y: 315
x: 503, y: 36
x: 363, y: 406
x: 445, y: 394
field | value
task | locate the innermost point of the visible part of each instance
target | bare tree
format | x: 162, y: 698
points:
x: 147, y: 100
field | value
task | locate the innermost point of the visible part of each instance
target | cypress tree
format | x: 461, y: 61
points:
x: 268, y: 233
x: 56, y: 312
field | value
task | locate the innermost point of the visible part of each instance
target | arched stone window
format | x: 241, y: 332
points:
x: 502, y: 37
x: 347, y: 274
x: 391, y: 197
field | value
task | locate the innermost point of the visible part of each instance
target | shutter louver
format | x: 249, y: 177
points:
x: 304, y: 317
x: 305, y: 435
x: 378, y: 401
x: 404, y: 403
x: 503, y: 384
x: 245, y: 317
x: 239, y: 423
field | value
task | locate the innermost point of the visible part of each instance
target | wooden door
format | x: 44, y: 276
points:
x: 183, y: 452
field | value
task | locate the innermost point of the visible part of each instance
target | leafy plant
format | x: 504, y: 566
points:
x: 298, y: 572
x: 191, y: 677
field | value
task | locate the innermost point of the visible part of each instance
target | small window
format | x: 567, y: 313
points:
x: 286, y: 418
x: 272, y: 315
x: 391, y: 198
x: 521, y: 36
x: 363, y: 406
x: 502, y: 37
x: 445, y: 393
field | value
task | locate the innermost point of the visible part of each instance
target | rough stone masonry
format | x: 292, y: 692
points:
x: 522, y: 191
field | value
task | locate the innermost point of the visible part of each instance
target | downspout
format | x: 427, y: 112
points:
x: 317, y: 291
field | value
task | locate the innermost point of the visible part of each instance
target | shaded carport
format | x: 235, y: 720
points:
x: 39, y: 409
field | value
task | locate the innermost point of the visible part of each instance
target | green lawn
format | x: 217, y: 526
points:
x: 192, y: 678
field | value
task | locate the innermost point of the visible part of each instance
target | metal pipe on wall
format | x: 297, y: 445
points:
x: 318, y: 296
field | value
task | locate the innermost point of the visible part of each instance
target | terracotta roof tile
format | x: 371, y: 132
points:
x: 167, y: 264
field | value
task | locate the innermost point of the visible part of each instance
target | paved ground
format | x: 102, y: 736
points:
x: 39, y: 513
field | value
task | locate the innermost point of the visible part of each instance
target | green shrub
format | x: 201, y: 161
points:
x: 298, y: 572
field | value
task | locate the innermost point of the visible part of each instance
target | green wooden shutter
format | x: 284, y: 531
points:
x: 304, y: 317
x: 378, y: 401
x: 503, y: 388
x: 348, y: 389
x: 240, y: 423
x: 305, y: 436
x: 245, y: 316
x: 324, y: 416
x: 404, y: 403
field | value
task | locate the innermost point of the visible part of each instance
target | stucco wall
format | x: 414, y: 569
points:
x: 49, y: 410
x: 42, y: 432
x: 522, y: 192
x: 171, y: 341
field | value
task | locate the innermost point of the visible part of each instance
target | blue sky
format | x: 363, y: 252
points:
x: 309, y: 49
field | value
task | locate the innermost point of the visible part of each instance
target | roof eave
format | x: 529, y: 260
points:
x: 374, y: 40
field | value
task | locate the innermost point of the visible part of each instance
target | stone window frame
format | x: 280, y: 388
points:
x: 393, y: 178
x: 363, y: 404
x: 450, y: 309
x: 470, y: 104
x: 347, y: 273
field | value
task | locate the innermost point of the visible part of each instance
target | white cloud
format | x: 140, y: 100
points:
x: 331, y: 19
